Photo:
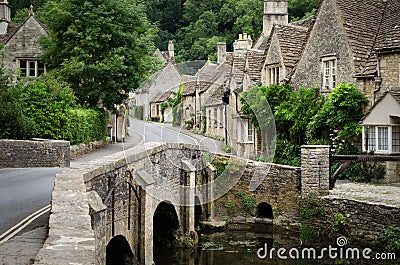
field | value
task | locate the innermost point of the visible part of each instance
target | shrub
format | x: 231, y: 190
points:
x: 248, y: 201
x: 47, y: 102
x: 392, y: 239
x: 138, y: 112
x: 87, y: 125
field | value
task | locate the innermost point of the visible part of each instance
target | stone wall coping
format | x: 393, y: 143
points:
x: 381, y: 204
x: 315, y: 146
x: 259, y: 163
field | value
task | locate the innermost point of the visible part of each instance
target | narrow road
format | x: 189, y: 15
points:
x: 152, y: 132
x: 22, y: 192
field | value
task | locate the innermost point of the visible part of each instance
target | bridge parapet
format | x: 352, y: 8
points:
x: 102, y: 199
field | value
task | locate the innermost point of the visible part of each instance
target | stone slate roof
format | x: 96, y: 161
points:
x: 255, y: 60
x: 369, y: 24
x: 215, y: 96
x: 291, y: 40
x: 189, y: 83
x: 164, y: 97
x: 389, y: 35
x: 12, y: 28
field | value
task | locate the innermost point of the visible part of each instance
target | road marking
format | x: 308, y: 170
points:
x: 24, y: 223
x: 162, y: 126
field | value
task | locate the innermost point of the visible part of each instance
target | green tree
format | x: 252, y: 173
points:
x: 13, y: 123
x: 298, y: 111
x: 300, y: 9
x: 339, y: 117
x: 167, y: 15
x: 103, y: 49
x: 18, y: 5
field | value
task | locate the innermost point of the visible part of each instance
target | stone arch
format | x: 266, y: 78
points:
x: 198, y: 212
x: 165, y: 224
x: 264, y: 210
x: 118, y: 251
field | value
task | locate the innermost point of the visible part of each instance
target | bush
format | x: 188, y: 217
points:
x: 87, y: 125
x: 138, y: 112
x: 47, y: 103
x: 392, y: 239
x: 14, y: 124
x: 287, y: 153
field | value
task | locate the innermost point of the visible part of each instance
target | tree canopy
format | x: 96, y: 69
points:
x: 103, y: 49
x: 196, y: 26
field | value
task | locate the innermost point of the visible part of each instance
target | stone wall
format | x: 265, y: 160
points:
x: 279, y: 187
x: 389, y: 66
x: 363, y: 220
x: 41, y: 153
x: 327, y: 38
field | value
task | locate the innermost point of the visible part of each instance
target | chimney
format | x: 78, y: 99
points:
x: 243, y: 44
x: 221, y: 51
x: 5, y: 16
x: 171, y: 50
x: 275, y: 11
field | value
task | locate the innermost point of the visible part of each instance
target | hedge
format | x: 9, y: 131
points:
x: 87, y: 125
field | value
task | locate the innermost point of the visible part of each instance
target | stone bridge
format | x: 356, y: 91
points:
x: 115, y: 209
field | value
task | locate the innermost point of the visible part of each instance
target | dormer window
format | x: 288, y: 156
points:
x: 30, y: 68
x: 329, y: 73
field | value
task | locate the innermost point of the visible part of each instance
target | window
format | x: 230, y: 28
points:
x: 329, y: 72
x: 370, y: 143
x: 383, y: 138
x: 249, y: 132
x: 209, y: 118
x: 273, y: 75
x: 30, y: 67
x: 396, y: 139
x: 246, y: 131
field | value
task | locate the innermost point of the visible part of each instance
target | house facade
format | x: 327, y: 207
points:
x: 166, y: 79
x: 22, y: 43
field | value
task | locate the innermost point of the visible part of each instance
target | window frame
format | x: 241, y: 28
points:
x: 33, y: 68
x: 329, y: 73
x: 273, y: 74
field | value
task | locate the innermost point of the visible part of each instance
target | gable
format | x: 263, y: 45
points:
x: 274, y: 54
x: 382, y: 112
x: 326, y: 38
x: 26, y: 40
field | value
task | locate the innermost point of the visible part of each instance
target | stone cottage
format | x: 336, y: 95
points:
x: 166, y: 79
x: 342, y: 43
x: 21, y: 43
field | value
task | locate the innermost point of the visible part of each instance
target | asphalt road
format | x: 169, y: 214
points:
x: 22, y: 192
x: 152, y: 132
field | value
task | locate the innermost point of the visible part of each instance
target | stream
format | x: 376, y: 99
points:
x: 238, y: 247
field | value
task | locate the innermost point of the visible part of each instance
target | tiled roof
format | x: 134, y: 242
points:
x: 12, y: 28
x: 291, y: 40
x: 239, y: 64
x: 362, y: 21
x: 255, y: 60
x: 389, y: 35
x: 214, y: 96
x: 164, y: 97
x: 189, y: 84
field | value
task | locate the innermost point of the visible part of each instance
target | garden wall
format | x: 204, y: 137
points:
x: 40, y: 153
